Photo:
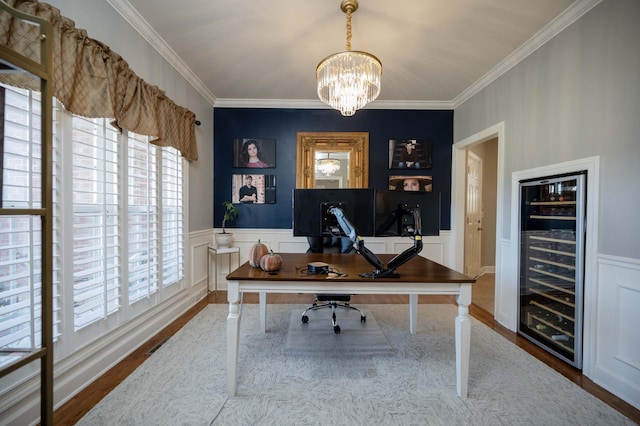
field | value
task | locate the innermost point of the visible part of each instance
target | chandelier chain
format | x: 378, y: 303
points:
x: 349, y: 29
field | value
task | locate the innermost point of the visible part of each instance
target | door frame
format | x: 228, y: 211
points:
x: 502, y: 312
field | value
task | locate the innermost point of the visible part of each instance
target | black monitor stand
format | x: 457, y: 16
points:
x: 358, y: 244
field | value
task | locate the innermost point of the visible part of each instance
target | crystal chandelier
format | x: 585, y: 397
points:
x: 349, y: 80
x: 328, y: 165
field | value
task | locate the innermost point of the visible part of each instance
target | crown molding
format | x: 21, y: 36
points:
x: 270, y: 103
x: 549, y: 31
x: 562, y: 21
x: 317, y: 104
x: 133, y: 17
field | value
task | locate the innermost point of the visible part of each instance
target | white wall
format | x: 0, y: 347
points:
x: 578, y: 97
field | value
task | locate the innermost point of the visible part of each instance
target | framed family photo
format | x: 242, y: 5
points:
x: 253, y: 189
x: 254, y: 153
x: 409, y: 154
x: 411, y: 183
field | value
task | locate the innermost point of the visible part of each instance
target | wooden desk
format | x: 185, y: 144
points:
x: 418, y: 276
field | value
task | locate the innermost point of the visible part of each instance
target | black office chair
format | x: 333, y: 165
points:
x: 333, y: 301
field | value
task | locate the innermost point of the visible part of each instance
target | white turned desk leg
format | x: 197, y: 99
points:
x: 233, y: 335
x: 413, y: 313
x: 463, y: 340
x: 263, y: 311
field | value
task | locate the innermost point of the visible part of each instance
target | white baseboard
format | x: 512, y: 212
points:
x: 487, y: 270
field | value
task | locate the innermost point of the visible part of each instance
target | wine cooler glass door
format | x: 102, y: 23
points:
x: 551, y: 264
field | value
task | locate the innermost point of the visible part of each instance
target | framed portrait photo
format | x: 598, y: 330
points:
x: 409, y: 154
x: 253, y: 189
x: 254, y: 153
x: 411, y: 183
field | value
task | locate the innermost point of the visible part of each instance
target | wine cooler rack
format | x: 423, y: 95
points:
x: 551, y: 264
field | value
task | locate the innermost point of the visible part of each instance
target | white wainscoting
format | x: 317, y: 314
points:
x: 617, y: 334
x: 506, y: 285
x: 283, y: 241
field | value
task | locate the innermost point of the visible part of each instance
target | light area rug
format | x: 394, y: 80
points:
x: 184, y: 382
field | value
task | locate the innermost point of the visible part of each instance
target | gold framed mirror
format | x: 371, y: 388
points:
x: 352, y: 148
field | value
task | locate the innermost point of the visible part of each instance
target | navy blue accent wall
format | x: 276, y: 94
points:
x: 283, y: 124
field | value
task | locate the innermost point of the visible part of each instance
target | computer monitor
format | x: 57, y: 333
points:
x: 392, y: 218
x: 311, y: 217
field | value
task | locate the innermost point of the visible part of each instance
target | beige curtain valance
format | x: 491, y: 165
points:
x: 91, y: 80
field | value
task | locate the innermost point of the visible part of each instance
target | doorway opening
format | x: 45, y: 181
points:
x: 477, y: 170
x: 480, y: 221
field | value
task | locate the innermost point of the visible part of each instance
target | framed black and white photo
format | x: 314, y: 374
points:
x: 411, y: 183
x: 409, y: 154
x: 253, y: 189
x: 254, y: 153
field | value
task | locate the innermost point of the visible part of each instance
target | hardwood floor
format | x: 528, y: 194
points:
x: 484, y: 292
x: 79, y: 405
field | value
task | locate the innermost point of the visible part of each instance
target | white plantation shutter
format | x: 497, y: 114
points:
x: 21, y: 160
x: 142, y: 205
x: 96, y: 220
x: 155, y: 217
x: 20, y: 243
x: 172, y: 217
x: 118, y: 214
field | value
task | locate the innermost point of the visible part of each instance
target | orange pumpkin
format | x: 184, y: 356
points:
x: 256, y: 252
x: 271, y: 262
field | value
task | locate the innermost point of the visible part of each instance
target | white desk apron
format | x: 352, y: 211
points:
x: 462, y: 320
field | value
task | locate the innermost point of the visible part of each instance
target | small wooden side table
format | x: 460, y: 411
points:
x: 216, y: 252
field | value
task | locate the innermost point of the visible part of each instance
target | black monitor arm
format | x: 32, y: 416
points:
x: 357, y: 241
x: 417, y: 241
x: 358, y: 245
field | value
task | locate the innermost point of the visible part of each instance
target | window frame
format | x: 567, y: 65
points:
x: 73, y: 339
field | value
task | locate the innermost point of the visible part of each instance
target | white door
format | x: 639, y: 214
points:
x: 473, y: 214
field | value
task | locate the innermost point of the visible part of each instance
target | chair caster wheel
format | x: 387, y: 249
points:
x: 363, y: 318
x: 336, y: 329
x: 305, y: 319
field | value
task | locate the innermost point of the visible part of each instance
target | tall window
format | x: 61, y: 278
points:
x: 143, y: 200
x: 118, y: 215
x: 173, y: 214
x: 96, y: 220
x: 156, y: 218
x: 20, y: 245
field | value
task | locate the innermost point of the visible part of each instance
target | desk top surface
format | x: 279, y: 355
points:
x: 349, y: 266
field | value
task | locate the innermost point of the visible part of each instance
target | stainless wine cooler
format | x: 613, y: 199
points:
x: 552, y: 236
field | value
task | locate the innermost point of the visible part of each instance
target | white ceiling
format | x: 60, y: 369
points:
x: 433, y: 52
